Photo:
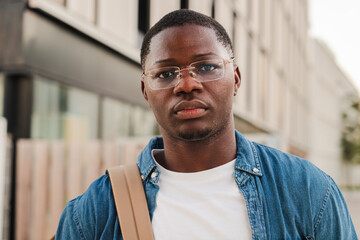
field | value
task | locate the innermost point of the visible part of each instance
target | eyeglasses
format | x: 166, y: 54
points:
x: 201, y: 71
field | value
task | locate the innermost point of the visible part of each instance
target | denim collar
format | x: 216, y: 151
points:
x: 247, y: 158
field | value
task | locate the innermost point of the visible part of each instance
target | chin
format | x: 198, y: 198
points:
x: 195, y: 135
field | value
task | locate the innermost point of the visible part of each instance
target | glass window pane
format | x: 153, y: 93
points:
x: 46, y: 117
x: 81, y: 114
x: 143, y: 122
x: 120, y: 119
x: 62, y: 112
x: 116, y: 119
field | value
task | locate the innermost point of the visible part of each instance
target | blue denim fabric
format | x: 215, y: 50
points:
x: 286, y: 198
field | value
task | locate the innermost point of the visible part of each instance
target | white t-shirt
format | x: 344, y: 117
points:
x: 201, y: 205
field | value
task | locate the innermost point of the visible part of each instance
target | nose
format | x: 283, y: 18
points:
x: 187, y: 82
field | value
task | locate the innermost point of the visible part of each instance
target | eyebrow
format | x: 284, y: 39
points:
x: 193, y: 57
x: 203, y: 55
x: 165, y: 60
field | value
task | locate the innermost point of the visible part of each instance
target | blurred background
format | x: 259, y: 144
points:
x: 71, y: 105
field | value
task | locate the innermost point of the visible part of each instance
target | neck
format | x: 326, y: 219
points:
x: 193, y: 156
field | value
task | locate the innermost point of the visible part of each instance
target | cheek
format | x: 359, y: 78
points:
x: 158, y: 102
x: 223, y: 93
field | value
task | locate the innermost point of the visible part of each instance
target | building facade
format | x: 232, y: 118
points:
x: 70, y: 69
x: 330, y: 92
x: 78, y: 61
x: 271, y: 49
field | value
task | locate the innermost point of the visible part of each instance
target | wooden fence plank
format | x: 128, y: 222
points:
x: 110, y: 155
x: 8, y: 188
x: 57, y: 185
x: 23, y: 191
x: 74, y: 170
x: 40, y: 189
x: 91, y: 162
x: 132, y: 148
x: 3, y: 172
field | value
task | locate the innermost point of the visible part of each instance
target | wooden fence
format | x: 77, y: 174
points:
x: 49, y: 174
x: 3, y: 174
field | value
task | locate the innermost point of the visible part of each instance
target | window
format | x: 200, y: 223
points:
x: 62, y: 112
x: 241, y: 60
x: 261, y: 15
x: 121, y: 119
x: 143, y: 19
x: 225, y: 15
x: 213, y: 9
x: 184, y: 4
x: 115, y: 119
x: 249, y: 10
x: 249, y: 59
x: 263, y: 88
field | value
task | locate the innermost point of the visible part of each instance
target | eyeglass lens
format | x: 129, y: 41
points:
x: 202, y: 71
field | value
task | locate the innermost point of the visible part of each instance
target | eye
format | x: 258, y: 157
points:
x: 166, y: 75
x: 206, y: 68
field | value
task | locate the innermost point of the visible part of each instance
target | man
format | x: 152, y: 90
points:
x: 203, y: 179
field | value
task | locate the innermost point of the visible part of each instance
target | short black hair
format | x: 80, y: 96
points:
x: 180, y: 18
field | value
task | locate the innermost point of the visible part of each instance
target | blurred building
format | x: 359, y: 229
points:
x: 270, y: 39
x: 330, y: 92
x: 69, y: 69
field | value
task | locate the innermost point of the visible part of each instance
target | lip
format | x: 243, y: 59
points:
x: 190, y: 109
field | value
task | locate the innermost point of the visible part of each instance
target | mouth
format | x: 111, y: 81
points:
x: 191, y: 113
x: 190, y: 109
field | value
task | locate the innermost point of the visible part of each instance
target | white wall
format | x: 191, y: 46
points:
x: 327, y: 89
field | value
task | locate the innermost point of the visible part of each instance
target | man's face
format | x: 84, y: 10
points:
x: 191, y: 110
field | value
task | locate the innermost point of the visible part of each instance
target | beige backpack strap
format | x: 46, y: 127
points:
x: 130, y: 201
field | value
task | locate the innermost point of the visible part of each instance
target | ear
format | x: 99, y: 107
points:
x: 143, y: 90
x: 237, y: 76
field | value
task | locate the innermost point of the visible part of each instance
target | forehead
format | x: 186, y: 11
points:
x: 184, y: 44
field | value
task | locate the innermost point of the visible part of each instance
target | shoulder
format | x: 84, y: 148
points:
x: 294, y: 178
x: 85, y: 215
x: 308, y: 190
x: 97, y: 199
x: 287, y: 165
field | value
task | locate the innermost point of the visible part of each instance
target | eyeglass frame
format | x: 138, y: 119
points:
x: 179, y: 75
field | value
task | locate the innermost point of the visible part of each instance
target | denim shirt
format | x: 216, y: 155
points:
x: 286, y: 198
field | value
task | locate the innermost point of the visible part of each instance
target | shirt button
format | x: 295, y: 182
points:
x: 142, y: 177
x: 255, y: 170
x: 153, y: 175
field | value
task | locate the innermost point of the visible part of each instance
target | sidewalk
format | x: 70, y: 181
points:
x: 352, y: 199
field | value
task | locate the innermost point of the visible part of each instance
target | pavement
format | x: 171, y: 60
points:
x: 352, y: 199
